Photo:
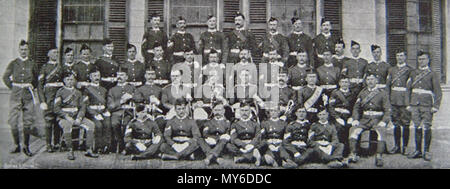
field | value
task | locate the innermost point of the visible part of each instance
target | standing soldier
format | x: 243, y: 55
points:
x: 190, y: 68
x: 107, y: 65
x: 324, y: 39
x: 70, y: 108
x: 21, y: 76
x: 68, y: 59
x: 97, y: 112
x: 120, y: 100
x: 136, y: 69
x: 397, y: 86
x: 50, y: 79
x: 298, y: 40
x: 338, y: 58
x: 311, y: 97
x: 83, y: 68
x: 378, y: 67
x: 425, y: 100
x: 214, y: 66
x: 354, y: 68
x: 328, y: 73
x: 161, y: 66
x: 238, y: 39
x: 152, y: 36
x: 297, y: 72
x: 371, y: 112
x: 180, y: 41
x: 274, y: 41
x: 212, y: 39
x: 181, y: 135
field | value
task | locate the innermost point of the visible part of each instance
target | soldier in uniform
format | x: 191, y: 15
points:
x: 70, y: 108
x: 212, y: 39
x: 273, y: 40
x: 324, y: 39
x: 136, y: 69
x: 237, y: 39
x: 21, y: 77
x: 378, y: 67
x: 338, y: 58
x: 121, y: 100
x: 161, y: 66
x: 107, y: 65
x: 370, y: 112
x: 426, y: 95
x: 179, y: 42
x: 295, y: 139
x: 215, y: 134
x: 83, y: 67
x: 68, y: 59
x: 97, y: 112
x: 245, y: 137
x: 181, y: 135
x: 244, y: 64
x: 245, y: 92
x: 172, y: 92
x: 214, y: 66
x: 286, y: 96
x: 152, y: 36
x: 354, y: 68
x: 150, y: 94
x: 50, y: 79
x: 340, y: 107
x: 328, y: 73
x: 142, y: 136
x: 397, y: 87
x: 298, y: 40
x: 191, y: 69
x: 311, y: 97
x: 297, y: 72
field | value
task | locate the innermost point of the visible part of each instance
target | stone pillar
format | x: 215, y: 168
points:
x: 136, y: 27
x: 446, y: 22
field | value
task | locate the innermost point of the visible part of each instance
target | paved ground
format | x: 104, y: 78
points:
x: 440, y: 149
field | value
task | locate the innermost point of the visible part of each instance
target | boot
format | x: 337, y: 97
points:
x: 49, y: 148
x: 70, y: 155
x: 427, y: 143
x: 15, y: 149
x: 91, y: 154
x: 405, y: 139
x: 397, y: 135
x: 26, y: 151
x: 353, y: 157
x: 15, y: 135
x: 379, y: 160
x: 418, y: 139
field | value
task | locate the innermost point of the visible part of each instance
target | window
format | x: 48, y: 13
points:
x: 425, y: 15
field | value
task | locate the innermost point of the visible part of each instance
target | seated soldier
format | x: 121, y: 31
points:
x: 181, y: 135
x: 326, y: 146
x: 142, y: 136
x: 245, y: 92
x: 272, y: 133
x: 284, y: 95
x: 296, y: 140
x: 212, y: 92
x: 70, y: 108
x: 149, y: 95
x: 245, y: 136
x: 311, y: 97
x: 173, y: 92
x: 215, y: 134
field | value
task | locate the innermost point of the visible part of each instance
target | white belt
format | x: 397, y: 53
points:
x: 84, y: 83
x: 178, y: 53
x: 320, y: 55
x: 297, y: 87
x: 126, y: 106
x: 181, y: 138
x: 206, y: 51
x: 400, y: 89
x: 57, y: 84
x: 246, y: 141
x: 97, y: 107
x: 274, y: 141
x: 144, y: 141
x: 422, y: 91
x: 135, y: 83
x: 329, y: 86
x: 160, y: 81
x: 312, y: 110
x: 22, y: 85
x: 109, y: 79
x: 71, y: 110
x: 293, y: 53
x: 373, y: 113
x: 381, y: 85
x: 356, y: 80
x: 151, y: 51
x: 342, y: 110
x: 235, y: 50
x: 265, y: 55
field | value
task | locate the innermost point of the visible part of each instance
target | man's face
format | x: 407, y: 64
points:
x: 273, y: 26
x: 239, y: 21
x: 132, y: 53
x: 69, y: 81
x: 245, y: 112
x: 244, y: 55
x: 344, y: 84
x: 376, y: 54
x: 95, y: 77
x: 122, y: 77
x: 274, y: 112
x: 401, y: 57
x: 158, y: 51
x: 180, y: 110
x: 282, y: 78
x: 311, y: 79
x: 273, y: 56
x: 155, y: 22
x: 302, y: 57
x: 141, y: 114
x: 181, y: 25
x: 212, y: 23
x: 189, y: 56
x: 175, y: 77
x: 326, y: 27
x: 69, y: 57
x: 355, y: 50
x: 85, y: 55
x: 327, y: 56
x: 53, y: 54
x: 298, y: 26
x: 219, y: 111
x: 23, y: 51
x: 301, y: 114
x: 213, y: 58
x: 108, y: 49
x: 339, y: 48
x: 423, y: 60
x: 371, y: 81
x: 323, y: 115
x: 149, y: 75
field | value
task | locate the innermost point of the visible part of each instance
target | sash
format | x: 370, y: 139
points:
x: 240, y: 35
x: 96, y: 95
x: 52, y: 73
x: 419, y: 77
x: 69, y: 98
x: 369, y: 97
x: 314, y: 97
x: 399, y: 74
x: 341, y: 96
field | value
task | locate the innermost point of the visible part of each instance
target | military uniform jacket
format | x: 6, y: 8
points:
x: 328, y: 75
x: 380, y: 69
x: 150, y: 38
x: 304, y: 98
x: 339, y: 61
x: 82, y: 71
x: 141, y: 130
x: 116, y: 93
x: 212, y: 40
x: 273, y: 129
x: 239, y: 39
x: 324, y: 131
x: 181, y: 41
x: 215, y: 128
x: 180, y: 127
x: 96, y: 100
x: 300, y: 41
x: 68, y: 66
x: 397, y: 79
x: 286, y: 94
x: 217, y: 68
x: 71, y: 103
x: 297, y: 75
x: 19, y: 71
x: 354, y: 68
x: 298, y: 131
x: 376, y: 100
x: 343, y: 101
x: 144, y: 92
x: 320, y: 42
x: 190, y: 71
x: 50, y: 73
x: 245, y: 130
x: 167, y: 97
x: 107, y: 66
x: 162, y: 68
x: 136, y: 70
x: 275, y: 41
x: 251, y: 67
x: 425, y: 80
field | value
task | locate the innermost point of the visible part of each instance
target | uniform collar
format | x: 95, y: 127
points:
x: 157, y: 59
x: 149, y: 82
x: 401, y: 65
x: 376, y: 62
x: 241, y: 62
x: 302, y: 121
x: 69, y: 65
x: 240, y: 29
x: 371, y: 90
x: 282, y: 86
x: 425, y: 68
x: 274, y: 33
x: 323, y: 123
x: 356, y: 58
x: 71, y: 88
x: 132, y: 61
x: 338, y: 57
x: 213, y: 64
x: 345, y: 91
x: 329, y: 65
x: 277, y: 119
x: 121, y: 84
x: 221, y: 119
x: 107, y: 55
x: 248, y: 119
x: 212, y: 30
x: 23, y: 59
x: 95, y: 84
x: 297, y: 33
x: 84, y: 62
x: 155, y: 29
x: 301, y: 65
x: 181, y: 118
x: 52, y: 62
x: 181, y: 32
x: 326, y: 35
x: 311, y: 87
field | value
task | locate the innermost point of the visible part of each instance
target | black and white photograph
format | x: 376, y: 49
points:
x: 224, y: 84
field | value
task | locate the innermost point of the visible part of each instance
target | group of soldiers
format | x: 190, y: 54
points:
x: 161, y: 108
